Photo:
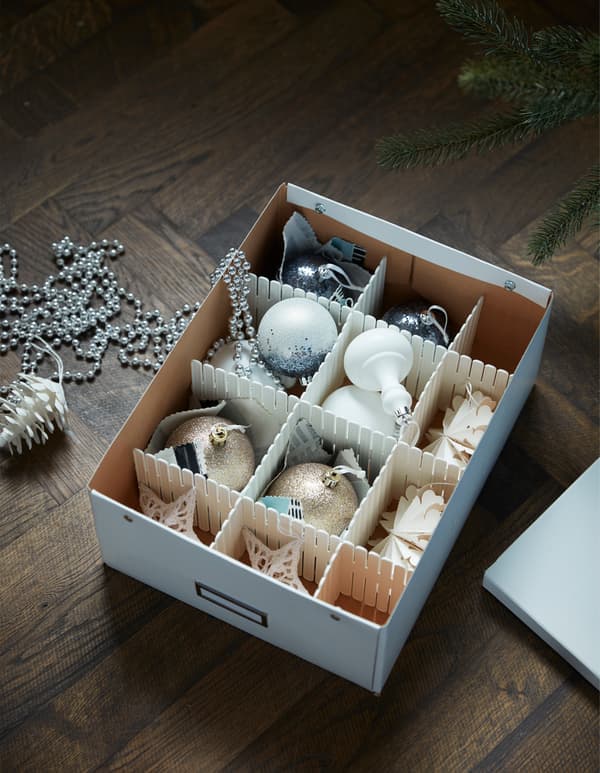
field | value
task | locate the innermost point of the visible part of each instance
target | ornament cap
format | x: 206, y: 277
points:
x: 218, y: 435
x: 331, y: 478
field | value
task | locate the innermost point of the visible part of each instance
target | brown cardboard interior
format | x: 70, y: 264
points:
x: 507, y: 323
x: 167, y: 393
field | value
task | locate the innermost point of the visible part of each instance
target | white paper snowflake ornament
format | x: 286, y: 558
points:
x: 463, y: 426
x: 177, y: 515
x: 34, y: 408
x: 410, y: 527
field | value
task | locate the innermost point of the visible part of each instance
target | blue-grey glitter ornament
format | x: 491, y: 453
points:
x: 418, y: 318
x: 309, y: 273
x: 294, y: 337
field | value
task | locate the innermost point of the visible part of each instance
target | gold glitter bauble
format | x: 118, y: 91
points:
x: 324, y: 507
x: 230, y: 463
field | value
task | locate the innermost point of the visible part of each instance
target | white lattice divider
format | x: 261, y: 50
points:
x: 210, y: 383
x: 458, y: 370
x: 276, y: 530
x: 363, y: 576
x: 450, y: 379
x: 213, y: 500
x: 371, y: 448
x: 463, y: 340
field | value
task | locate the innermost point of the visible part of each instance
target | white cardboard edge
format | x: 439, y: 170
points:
x: 418, y: 245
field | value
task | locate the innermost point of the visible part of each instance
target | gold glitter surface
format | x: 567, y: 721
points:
x: 324, y: 508
x: 231, y: 463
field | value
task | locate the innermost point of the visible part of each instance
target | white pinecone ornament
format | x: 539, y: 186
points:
x: 35, y: 407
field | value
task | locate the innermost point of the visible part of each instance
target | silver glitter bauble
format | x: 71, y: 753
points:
x: 415, y: 317
x: 294, y: 337
x: 308, y: 272
x: 228, y: 456
x: 328, y: 498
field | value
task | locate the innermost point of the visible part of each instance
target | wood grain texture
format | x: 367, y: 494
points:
x: 48, y: 33
x: 168, y: 126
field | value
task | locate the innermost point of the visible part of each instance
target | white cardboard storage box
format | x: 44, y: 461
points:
x: 360, y: 608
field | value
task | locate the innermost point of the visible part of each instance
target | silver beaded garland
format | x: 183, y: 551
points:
x: 75, y: 307
x: 234, y: 269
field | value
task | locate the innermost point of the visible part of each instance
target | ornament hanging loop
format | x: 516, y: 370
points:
x: 331, y: 271
x: 403, y: 421
x: 433, y: 321
x: 344, y: 469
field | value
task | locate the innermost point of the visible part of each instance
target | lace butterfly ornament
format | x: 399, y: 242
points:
x: 280, y: 564
x: 177, y: 515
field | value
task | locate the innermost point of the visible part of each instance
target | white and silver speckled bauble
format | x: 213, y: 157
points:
x: 294, y: 337
x: 328, y: 498
x: 227, y: 456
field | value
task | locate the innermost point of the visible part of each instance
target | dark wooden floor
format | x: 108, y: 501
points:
x: 167, y: 125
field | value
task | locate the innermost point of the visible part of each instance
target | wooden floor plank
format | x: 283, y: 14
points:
x: 34, y: 104
x: 166, y: 143
x: 279, y: 682
x: 271, y: 150
x: 200, y: 126
x: 62, y: 612
x: 47, y: 33
x: 28, y: 501
x: 136, y: 39
x: 535, y: 743
x: 143, y: 684
x: 350, y: 106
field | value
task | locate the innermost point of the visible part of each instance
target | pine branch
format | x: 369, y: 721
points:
x: 544, y: 113
x: 486, y: 24
x: 589, y: 55
x: 563, y: 45
x: 432, y: 147
x: 566, y: 218
x: 518, y: 80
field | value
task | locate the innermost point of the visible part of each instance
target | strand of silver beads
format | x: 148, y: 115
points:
x: 76, y: 307
x: 234, y: 269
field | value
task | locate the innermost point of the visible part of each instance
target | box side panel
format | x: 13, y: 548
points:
x: 397, y: 630
x: 231, y: 591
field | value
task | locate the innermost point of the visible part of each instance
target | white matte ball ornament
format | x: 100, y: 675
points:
x: 294, y: 337
x: 378, y: 360
x: 362, y: 407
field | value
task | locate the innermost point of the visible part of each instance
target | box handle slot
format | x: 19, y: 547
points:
x: 231, y: 604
